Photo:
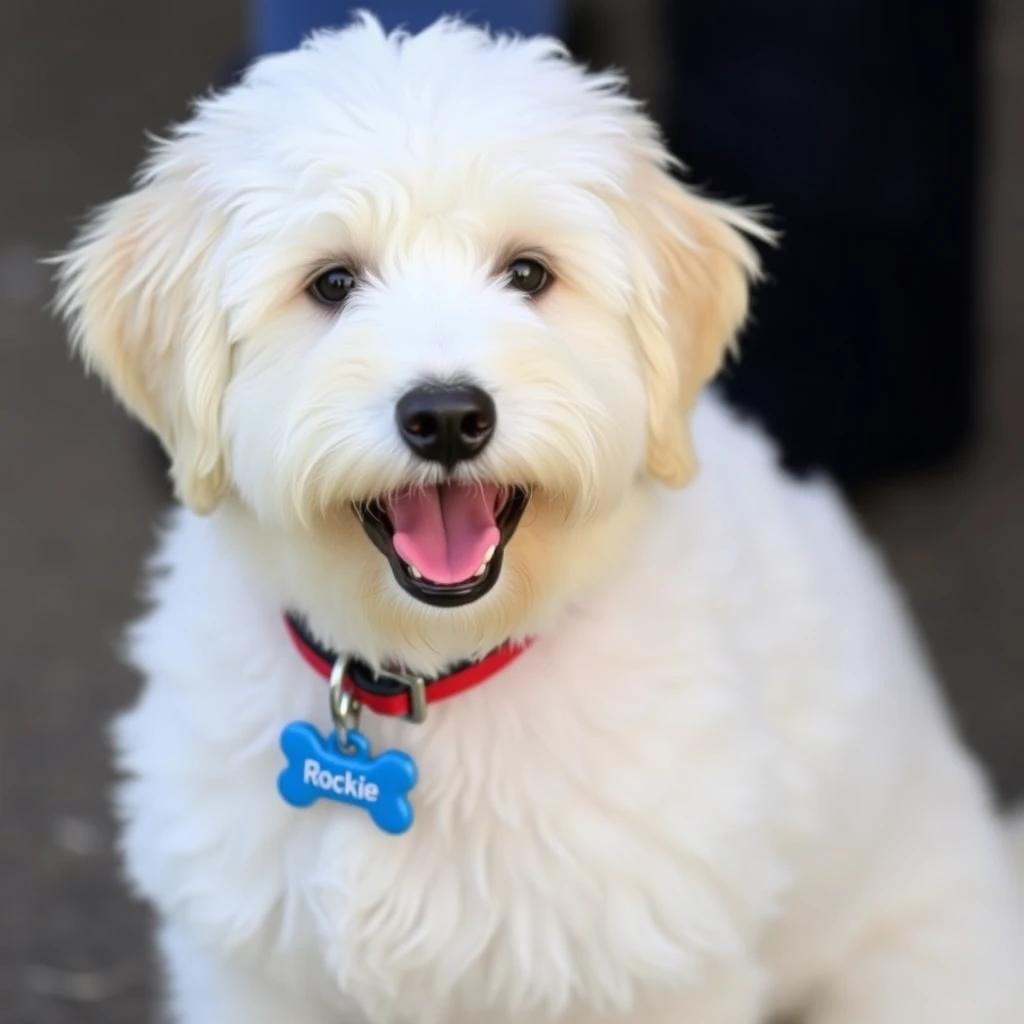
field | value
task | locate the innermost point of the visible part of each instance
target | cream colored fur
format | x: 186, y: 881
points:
x: 720, y: 787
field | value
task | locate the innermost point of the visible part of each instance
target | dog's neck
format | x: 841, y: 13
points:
x: 296, y: 571
x: 390, y: 689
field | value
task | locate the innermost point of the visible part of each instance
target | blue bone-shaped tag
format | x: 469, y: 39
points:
x: 318, y: 768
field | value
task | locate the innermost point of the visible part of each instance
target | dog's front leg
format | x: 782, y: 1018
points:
x: 731, y: 993
x: 201, y: 988
x: 955, y: 957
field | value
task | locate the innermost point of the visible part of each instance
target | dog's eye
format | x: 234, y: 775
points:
x: 528, y: 276
x: 333, y: 286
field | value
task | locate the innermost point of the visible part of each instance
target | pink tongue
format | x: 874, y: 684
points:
x: 445, y: 531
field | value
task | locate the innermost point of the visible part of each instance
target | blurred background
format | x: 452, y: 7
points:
x: 887, y: 348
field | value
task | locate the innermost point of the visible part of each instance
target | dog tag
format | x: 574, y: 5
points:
x: 319, y: 769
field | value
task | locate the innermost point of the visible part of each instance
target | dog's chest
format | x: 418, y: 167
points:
x: 559, y: 848
x: 596, y: 821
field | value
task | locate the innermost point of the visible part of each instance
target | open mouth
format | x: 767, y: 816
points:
x: 445, y: 543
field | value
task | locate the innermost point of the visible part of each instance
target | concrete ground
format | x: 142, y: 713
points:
x: 80, y: 82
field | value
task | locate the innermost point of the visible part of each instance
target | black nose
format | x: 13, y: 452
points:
x: 446, y: 424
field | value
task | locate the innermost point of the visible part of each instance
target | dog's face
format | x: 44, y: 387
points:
x: 434, y: 301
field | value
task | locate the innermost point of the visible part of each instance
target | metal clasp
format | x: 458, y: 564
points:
x: 417, y: 687
x: 345, y: 706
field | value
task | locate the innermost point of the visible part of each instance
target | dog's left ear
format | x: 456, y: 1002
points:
x: 692, y: 267
x: 141, y: 297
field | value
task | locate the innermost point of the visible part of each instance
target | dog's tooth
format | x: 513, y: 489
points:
x: 481, y: 570
x: 414, y: 572
x: 489, y: 553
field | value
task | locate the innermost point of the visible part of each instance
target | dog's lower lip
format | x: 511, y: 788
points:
x: 378, y: 527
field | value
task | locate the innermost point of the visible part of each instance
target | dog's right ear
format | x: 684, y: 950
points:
x: 140, y: 293
x: 692, y: 266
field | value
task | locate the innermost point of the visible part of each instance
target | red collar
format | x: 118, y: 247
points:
x: 399, y: 694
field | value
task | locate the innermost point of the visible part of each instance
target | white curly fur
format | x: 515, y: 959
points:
x: 719, y: 787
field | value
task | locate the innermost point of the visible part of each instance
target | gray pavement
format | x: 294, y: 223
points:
x: 79, y: 84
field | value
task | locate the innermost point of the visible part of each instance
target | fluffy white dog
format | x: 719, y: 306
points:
x: 422, y: 322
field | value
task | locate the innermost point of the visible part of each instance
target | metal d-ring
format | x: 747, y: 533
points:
x: 345, y: 706
x: 417, y: 687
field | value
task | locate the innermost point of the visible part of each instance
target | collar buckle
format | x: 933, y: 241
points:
x: 348, y: 670
x: 417, y: 687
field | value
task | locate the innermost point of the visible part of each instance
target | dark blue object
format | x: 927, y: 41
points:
x: 856, y: 122
x: 276, y: 25
x: 318, y: 769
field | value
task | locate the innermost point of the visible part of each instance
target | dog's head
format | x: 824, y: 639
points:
x: 436, y: 300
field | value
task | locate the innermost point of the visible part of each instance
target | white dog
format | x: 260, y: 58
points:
x: 422, y: 322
